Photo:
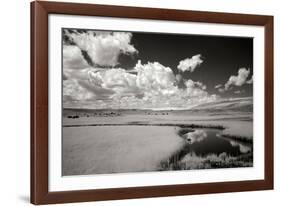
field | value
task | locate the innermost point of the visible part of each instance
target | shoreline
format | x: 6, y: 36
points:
x: 144, y: 124
x: 192, y: 126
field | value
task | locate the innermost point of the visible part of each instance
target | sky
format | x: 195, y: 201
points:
x: 134, y: 70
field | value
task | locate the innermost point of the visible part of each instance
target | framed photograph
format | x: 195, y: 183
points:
x: 131, y: 102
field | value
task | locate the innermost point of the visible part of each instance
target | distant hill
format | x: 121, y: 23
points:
x: 225, y: 105
x: 236, y: 104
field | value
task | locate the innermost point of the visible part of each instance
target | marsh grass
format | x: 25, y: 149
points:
x: 212, y: 161
x: 183, y: 159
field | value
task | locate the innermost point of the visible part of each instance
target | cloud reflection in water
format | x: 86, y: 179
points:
x: 196, y: 136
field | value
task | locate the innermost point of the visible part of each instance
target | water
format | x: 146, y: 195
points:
x: 206, y: 148
x: 210, y: 141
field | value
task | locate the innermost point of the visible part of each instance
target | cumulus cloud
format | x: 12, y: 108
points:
x: 221, y: 90
x: 104, y: 48
x: 218, y: 86
x: 151, y: 79
x: 190, y: 64
x: 238, y: 80
x: 116, y: 80
x: 250, y: 81
x: 154, y: 78
x: 179, y: 78
x: 74, y: 65
x: 73, y: 59
x: 153, y: 85
x: 91, y: 76
x: 189, y: 83
x: 73, y: 91
x: 195, y: 89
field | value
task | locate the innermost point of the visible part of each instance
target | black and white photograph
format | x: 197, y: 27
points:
x: 147, y: 102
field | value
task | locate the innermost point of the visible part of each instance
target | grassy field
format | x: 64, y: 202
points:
x: 115, y: 141
x: 234, y: 123
x: 112, y: 149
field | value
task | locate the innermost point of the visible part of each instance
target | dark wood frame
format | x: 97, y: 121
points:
x: 39, y: 102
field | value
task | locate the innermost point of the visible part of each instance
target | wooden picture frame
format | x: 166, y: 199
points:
x: 40, y: 193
